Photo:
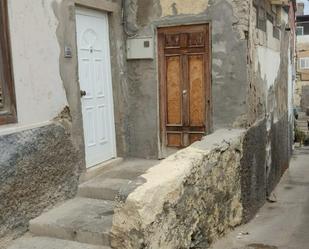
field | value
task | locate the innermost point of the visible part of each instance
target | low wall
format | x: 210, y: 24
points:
x: 38, y: 167
x: 195, y: 196
x: 188, y: 200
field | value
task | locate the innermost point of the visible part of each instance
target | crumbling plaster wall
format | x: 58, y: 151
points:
x: 268, y: 98
x: 50, y: 157
x: 35, y: 55
x: 229, y: 59
x: 191, y: 206
x: 42, y: 155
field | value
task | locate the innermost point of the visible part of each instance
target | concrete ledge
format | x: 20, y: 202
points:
x: 98, y: 5
x: 188, y: 200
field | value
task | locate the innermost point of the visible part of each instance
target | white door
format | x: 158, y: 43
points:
x: 96, y: 85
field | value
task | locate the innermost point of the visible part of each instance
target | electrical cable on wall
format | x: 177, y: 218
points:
x: 124, y: 21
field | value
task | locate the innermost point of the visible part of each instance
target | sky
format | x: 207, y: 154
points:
x: 306, y: 6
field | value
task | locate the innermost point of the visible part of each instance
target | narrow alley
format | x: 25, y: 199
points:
x: 284, y: 223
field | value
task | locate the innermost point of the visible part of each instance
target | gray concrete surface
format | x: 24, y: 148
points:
x: 49, y: 243
x: 283, y: 224
x: 81, y: 219
x: 118, y: 182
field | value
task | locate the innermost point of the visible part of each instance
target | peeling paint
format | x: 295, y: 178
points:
x: 177, y: 7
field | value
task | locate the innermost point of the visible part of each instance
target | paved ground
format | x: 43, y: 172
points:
x: 283, y: 224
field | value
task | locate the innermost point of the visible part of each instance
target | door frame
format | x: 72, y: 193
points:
x: 91, y: 10
x: 162, y: 84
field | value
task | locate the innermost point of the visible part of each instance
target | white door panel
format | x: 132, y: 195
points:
x: 95, y: 80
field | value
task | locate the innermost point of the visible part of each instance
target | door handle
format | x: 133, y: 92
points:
x: 184, y: 92
x: 83, y: 93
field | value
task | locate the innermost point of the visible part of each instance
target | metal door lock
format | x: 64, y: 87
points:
x: 83, y: 93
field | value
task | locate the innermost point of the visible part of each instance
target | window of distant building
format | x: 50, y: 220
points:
x: 304, y: 63
x: 300, y: 30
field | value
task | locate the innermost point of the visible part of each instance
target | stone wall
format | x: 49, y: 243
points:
x: 195, y: 196
x: 188, y: 201
x: 39, y: 167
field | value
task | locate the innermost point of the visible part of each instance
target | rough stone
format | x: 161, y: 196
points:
x: 39, y: 167
x: 194, y: 202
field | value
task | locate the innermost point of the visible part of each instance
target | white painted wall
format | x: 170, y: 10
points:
x: 35, y: 50
x: 269, y: 60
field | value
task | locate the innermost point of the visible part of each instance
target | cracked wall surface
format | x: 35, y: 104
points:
x: 269, y: 113
x: 229, y: 59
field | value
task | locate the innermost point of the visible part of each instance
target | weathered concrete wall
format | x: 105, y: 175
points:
x: 269, y: 96
x: 298, y: 92
x: 35, y: 53
x: 198, y: 200
x: 253, y: 170
x: 38, y: 168
x: 47, y: 90
x: 304, y: 102
x: 229, y: 59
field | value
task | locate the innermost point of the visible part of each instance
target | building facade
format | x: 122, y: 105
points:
x: 84, y: 82
x: 302, y: 84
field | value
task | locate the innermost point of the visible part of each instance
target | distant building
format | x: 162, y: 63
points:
x: 303, y: 61
x: 300, y: 9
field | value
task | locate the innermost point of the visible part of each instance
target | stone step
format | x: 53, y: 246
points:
x: 117, y: 182
x: 50, y: 243
x: 130, y: 169
x: 102, y: 188
x: 81, y: 219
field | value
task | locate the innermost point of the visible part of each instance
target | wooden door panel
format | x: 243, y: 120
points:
x: 174, y: 139
x: 172, y: 41
x: 174, y: 90
x: 194, y: 137
x: 197, y: 90
x: 184, y: 83
x: 197, y: 40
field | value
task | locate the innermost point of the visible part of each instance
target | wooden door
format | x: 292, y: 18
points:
x: 96, y: 85
x: 184, y: 55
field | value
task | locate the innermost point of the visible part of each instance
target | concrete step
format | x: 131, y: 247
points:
x: 102, y: 188
x: 81, y: 219
x: 130, y: 169
x: 119, y: 181
x: 50, y: 243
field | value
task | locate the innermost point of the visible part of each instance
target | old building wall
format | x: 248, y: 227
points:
x: 229, y: 79
x: 303, y: 74
x: 35, y: 54
x: 270, y: 99
x: 43, y: 154
x: 304, y: 102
